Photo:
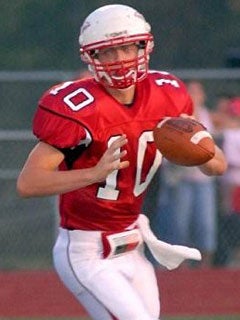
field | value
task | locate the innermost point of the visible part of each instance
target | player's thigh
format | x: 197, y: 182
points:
x: 70, y: 274
x: 95, y: 309
x: 120, y: 295
x: 145, y: 282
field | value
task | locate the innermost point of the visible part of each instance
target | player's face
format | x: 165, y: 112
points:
x: 120, y: 62
x: 119, y: 53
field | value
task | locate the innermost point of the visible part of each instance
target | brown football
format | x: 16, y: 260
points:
x: 184, y: 141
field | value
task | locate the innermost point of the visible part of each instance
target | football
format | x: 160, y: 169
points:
x: 184, y: 141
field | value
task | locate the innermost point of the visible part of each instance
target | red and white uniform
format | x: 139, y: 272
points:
x: 81, y: 119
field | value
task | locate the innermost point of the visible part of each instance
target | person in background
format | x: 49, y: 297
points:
x: 186, y: 211
x: 96, y: 152
x: 220, y: 115
x: 228, y: 252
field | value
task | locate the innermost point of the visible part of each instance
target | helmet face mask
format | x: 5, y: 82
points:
x: 113, y: 26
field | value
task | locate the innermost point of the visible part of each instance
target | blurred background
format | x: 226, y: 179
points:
x: 39, y: 48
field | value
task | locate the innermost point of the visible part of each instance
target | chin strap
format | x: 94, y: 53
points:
x: 170, y: 256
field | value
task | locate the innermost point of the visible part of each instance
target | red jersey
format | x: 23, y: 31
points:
x: 81, y: 119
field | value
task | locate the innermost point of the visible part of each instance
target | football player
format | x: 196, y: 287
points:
x: 96, y: 151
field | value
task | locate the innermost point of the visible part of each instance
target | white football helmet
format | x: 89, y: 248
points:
x: 116, y: 25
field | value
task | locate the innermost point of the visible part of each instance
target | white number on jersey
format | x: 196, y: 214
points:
x: 110, y: 191
x: 85, y: 97
x: 162, y: 81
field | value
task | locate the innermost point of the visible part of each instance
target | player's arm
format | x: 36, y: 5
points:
x: 40, y: 175
x: 217, y: 165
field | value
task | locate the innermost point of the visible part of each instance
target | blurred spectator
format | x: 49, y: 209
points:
x: 220, y: 116
x: 229, y: 233
x: 186, y: 211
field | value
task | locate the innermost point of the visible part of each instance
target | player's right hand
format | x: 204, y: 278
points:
x: 111, y: 159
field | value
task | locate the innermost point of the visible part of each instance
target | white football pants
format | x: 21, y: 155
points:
x: 119, y: 288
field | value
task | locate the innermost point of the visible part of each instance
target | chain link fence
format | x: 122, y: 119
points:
x: 28, y: 226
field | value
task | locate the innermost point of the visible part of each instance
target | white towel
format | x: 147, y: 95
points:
x: 168, y: 255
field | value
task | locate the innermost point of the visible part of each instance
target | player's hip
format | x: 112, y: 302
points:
x: 81, y: 255
x: 97, y: 244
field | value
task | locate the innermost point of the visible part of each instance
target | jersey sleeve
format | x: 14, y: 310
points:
x: 55, y: 128
x: 66, y: 117
x: 181, y: 97
x: 175, y: 92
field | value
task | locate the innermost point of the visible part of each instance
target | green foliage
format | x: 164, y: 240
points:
x: 44, y: 34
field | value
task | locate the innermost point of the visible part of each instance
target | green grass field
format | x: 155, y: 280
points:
x: 237, y: 317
